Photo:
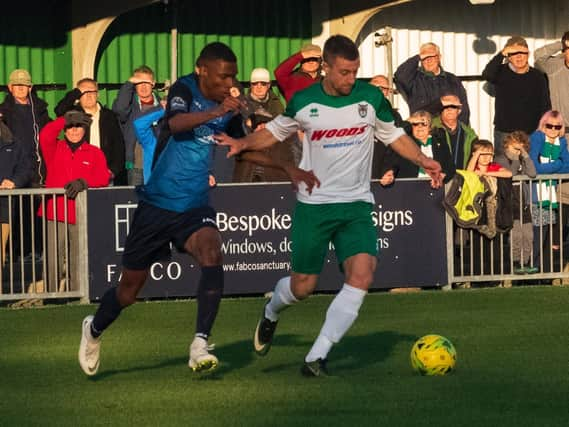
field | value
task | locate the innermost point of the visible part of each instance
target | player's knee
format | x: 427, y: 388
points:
x: 361, y: 280
x: 301, y: 294
x: 302, y: 286
x: 206, y: 247
x: 210, y: 256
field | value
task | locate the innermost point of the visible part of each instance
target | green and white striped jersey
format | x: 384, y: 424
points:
x: 338, y: 139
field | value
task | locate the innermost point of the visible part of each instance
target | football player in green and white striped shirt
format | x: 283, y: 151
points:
x: 339, y: 117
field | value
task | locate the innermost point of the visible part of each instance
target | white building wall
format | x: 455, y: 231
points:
x: 469, y: 36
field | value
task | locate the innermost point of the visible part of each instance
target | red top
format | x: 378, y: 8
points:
x: 63, y: 165
x: 492, y: 167
x: 291, y: 81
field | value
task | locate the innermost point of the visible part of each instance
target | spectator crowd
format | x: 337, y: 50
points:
x: 103, y: 146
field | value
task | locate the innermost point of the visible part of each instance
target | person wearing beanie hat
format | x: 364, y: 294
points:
x: 269, y: 165
x: 553, y: 60
x: 260, y: 75
x: 292, y: 79
x: 261, y: 95
x: 522, y: 94
x: 73, y: 164
x: 76, y: 118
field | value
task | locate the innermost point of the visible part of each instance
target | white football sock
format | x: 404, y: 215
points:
x: 281, y: 299
x: 340, y: 316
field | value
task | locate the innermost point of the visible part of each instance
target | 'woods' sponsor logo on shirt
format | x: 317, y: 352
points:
x: 317, y: 135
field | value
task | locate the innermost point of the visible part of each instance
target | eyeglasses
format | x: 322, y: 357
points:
x: 311, y: 59
x: 550, y: 126
x: 521, y: 52
x: 389, y: 89
x: 452, y: 107
x: 429, y: 57
x: 260, y: 83
x: 419, y: 124
x: 89, y: 92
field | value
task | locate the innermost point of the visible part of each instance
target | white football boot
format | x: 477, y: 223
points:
x: 89, y: 349
x: 201, y: 360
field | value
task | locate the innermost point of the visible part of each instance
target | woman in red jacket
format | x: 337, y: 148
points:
x: 71, y: 163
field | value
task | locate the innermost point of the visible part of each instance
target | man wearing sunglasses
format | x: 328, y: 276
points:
x: 459, y: 135
x: 521, y: 91
x: 556, y: 66
x: 422, y: 81
x: 268, y: 165
x: 261, y: 96
x: 104, y: 131
x: 292, y: 79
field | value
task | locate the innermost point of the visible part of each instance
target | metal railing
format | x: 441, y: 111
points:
x: 40, y: 258
x: 474, y: 258
x: 53, y: 262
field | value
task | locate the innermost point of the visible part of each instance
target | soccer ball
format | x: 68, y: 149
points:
x: 433, y: 355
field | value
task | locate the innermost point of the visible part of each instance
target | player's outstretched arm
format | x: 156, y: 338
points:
x: 254, y: 141
x: 298, y: 175
x: 295, y: 174
x: 409, y: 150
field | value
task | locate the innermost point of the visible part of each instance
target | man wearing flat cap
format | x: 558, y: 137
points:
x: 25, y: 114
x: 292, y: 79
x: 75, y: 165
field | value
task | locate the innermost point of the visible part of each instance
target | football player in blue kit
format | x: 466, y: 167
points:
x: 174, y: 206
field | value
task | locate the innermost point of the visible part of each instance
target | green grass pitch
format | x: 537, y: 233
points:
x: 512, y: 369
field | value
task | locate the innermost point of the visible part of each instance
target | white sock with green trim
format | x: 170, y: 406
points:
x: 340, y: 316
x: 281, y: 299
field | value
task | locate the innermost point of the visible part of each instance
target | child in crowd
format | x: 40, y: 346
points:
x: 548, y: 150
x: 481, y: 161
x: 516, y: 159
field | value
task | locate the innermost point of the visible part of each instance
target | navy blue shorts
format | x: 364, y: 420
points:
x: 153, y: 229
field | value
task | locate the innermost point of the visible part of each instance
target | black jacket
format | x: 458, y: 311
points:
x: 15, y: 165
x: 379, y: 148
x: 420, y: 89
x: 31, y: 147
x: 403, y: 168
x: 521, y: 99
x: 112, y: 142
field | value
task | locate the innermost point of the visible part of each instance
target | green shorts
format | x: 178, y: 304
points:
x: 347, y: 225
